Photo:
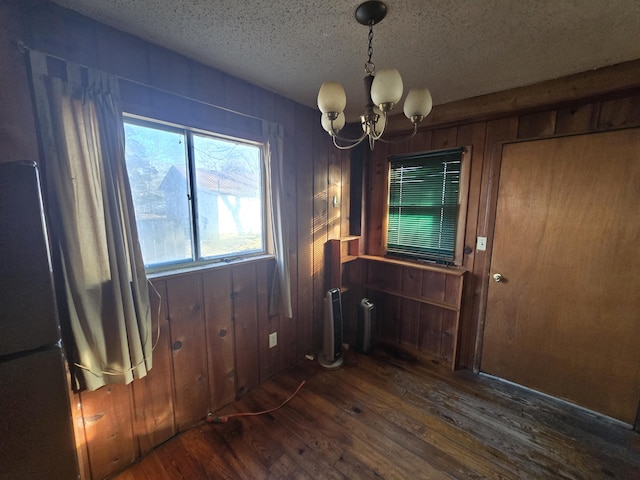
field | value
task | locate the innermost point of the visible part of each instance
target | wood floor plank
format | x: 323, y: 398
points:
x: 396, y: 415
x: 541, y: 422
x: 470, y: 435
x: 217, y: 455
x: 177, y: 461
x: 432, y: 429
x: 454, y: 457
x: 368, y: 435
x: 311, y: 452
x: 149, y: 469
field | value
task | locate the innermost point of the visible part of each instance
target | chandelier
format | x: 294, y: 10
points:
x: 383, y: 90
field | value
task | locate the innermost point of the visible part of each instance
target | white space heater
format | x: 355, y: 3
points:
x: 331, y: 355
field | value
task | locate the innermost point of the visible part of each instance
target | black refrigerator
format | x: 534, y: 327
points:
x: 36, y: 430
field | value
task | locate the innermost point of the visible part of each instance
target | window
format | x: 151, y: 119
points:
x: 198, y: 197
x: 425, y: 209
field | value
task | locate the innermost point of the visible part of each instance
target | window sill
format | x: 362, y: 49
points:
x: 190, y: 269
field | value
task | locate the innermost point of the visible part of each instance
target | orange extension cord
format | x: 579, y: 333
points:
x: 225, y: 418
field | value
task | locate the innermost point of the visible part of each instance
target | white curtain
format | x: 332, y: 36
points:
x: 280, y: 299
x: 93, y: 224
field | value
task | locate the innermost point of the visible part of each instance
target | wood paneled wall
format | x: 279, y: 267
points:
x: 17, y: 124
x: 613, y: 103
x: 213, y: 323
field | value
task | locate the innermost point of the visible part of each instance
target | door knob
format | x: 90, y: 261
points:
x: 497, y: 277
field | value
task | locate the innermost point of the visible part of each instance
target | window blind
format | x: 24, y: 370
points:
x: 423, y: 205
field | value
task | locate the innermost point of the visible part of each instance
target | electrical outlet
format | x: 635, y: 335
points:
x: 273, y: 339
x: 481, y: 244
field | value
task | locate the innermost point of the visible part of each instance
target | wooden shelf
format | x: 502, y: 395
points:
x: 438, y: 286
x: 379, y: 288
x: 348, y: 258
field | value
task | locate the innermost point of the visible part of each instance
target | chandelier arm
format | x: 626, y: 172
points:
x: 376, y: 135
x: 347, y: 147
x: 349, y: 140
x: 403, y: 139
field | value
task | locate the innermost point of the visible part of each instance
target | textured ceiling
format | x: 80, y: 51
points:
x: 456, y: 48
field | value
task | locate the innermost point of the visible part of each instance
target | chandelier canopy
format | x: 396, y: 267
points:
x: 383, y: 90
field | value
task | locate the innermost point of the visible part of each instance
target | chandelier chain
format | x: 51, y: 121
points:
x: 370, y: 67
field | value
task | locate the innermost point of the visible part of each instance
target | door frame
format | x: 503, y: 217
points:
x: 490, y: 212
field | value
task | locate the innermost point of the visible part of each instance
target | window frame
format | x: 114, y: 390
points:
x: 197, y: 261
x: 463, y: 199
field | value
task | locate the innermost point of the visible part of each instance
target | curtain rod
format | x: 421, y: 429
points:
x: 22, y: 47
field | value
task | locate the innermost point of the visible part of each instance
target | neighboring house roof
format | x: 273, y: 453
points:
x: 225, y: 183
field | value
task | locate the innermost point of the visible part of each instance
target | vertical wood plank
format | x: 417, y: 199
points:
x: 304, y: 168
x: 390, y: 275
x: 80, y: 435
x: 452, y: 289
x: 189, y: 351
x: 344, y: 193
x: 170, y: 108
x: 65, y: 33
x: 410, y: 309
x: 444, y: 138
x: 421, y: 142
x: 153, y: 394
x: 447, y: 342
x: 431, y: 329
x: 108, y: 421
x: 18, y: 137
x: 433, y: 285
x: 168, y: 70
x: 577, y: 119
x: 263, y: 104
x: 208, y: 118
x: 237, y: 94
x: 205, y: 84
x: 376, y: 196
x: 334, y: 194
x: 539, y: 124
x: 451, y: 320
x: 359, y: 171
x: 245, y: 319
x: 218, y: 314
x: 135, y: 98
x: 132, y: 66
x: 619, y: 113
x: 472, y: 135
x: 320, y: 227
x: 295, y: 212
x: 270, y: 359
x: 431, y: 317
x: 350, y: 305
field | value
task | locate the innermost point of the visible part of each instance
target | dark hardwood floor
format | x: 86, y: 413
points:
x: 395, y: 416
